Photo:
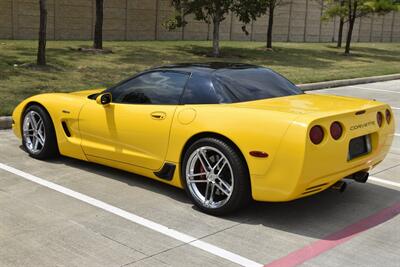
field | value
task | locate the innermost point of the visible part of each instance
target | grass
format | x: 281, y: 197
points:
x: 70, y: 69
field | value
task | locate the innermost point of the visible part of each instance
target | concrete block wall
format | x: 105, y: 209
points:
x: 395, y: 32
x: 6, y: 19
x: 295, y: 21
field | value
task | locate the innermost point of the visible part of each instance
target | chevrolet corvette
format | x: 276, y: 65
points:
x: 226, y: 133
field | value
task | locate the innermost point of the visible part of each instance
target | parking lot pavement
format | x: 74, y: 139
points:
x: 76, y: 216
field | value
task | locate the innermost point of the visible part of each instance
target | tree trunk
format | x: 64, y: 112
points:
x: 341, y: 23
x: 349, y: 35
x: 352, y: 19
x: 270, y: 24
x: 216, y: 23
x: 340, y: 34
x: 41, y: 55
x: 98, y: 30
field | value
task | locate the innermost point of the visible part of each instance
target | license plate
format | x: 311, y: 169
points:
x: 359, y: 146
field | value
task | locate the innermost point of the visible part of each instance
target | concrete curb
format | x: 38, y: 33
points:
x: 5, y: 123
x: 347, y: 82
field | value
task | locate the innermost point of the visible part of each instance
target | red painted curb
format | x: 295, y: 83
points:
x: 330, y: 241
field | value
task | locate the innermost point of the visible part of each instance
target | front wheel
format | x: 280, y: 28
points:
x: 216, y: 177
x: 38, y: 135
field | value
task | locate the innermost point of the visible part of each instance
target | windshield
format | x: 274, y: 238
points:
x: 249, y: 84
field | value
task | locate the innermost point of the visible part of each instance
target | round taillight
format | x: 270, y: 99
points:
x: 388, y: 116
x: 379, y: 118
x: 336, y: 130
x: 316, y: 134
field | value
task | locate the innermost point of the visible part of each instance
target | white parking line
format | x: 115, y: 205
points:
x: 187, y: 239
x: 396, y: 134
x: 361, y: 88
x: 383, y: 181
x: 374, y: 89
x: 395, y: 108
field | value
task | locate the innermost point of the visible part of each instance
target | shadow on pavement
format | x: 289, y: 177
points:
x: 315, y: 216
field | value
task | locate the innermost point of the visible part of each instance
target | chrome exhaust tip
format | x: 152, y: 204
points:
x: 361, y: 177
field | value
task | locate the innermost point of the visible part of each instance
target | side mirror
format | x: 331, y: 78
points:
x: 104, y: 99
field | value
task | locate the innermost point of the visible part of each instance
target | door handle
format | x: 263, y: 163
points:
x: 158, y: 115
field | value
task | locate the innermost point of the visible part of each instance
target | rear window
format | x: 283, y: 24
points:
x: 248, y: 84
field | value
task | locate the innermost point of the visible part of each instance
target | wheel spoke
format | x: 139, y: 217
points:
x: 33, y: 121
x: 225, y: 184
x: 198, y: 181
x: 202, y: 154
x: 28, y: 133
x: 40, y: 140
x: 28, y: 127
x: 39, y: 124
x: 226, y: 190
x: 212, y: 193
x: 35, y: 142
x: 218, y: 162
x: 201, y: 160
x: 222, y: 190
x: 41, y: 137
x: 206, y: 192
x: 222, y: 167
x: 197, y: 174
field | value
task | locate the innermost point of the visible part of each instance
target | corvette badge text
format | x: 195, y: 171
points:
x: 362, y: 125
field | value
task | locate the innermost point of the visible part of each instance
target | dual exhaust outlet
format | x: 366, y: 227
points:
x: 360, y: 177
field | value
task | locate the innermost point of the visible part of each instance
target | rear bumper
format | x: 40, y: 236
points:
x: 295, y: 187
x: 301, y: 169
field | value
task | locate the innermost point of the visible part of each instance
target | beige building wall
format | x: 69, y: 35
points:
x: 295, y: 21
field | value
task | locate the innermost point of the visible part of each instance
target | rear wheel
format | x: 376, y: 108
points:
x: 38, y: 135
x: 216, y: 177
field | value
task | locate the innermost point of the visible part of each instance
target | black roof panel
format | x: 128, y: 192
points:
x: 205, y: 67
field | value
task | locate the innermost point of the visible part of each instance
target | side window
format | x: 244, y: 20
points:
x: 199, y: 90
x: 157, y: 87
x: 224, y: 95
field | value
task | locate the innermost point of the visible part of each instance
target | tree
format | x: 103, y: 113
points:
x: 341, y: 24
x: 248, y: 10
x: 354, y: 9
x: 213, y: 12
x: 271, y: 5
x: 98, y: 29
x: 204, y: 10
x: 41, y: 55
x: 331, y: 10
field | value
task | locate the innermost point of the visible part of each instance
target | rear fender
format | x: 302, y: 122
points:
x: 248, y: 129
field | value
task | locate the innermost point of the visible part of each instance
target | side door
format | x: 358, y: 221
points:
x: 135, y: 127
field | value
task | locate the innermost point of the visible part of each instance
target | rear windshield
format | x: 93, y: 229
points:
x: 247, y: 84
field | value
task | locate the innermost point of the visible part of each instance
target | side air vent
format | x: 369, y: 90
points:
x: 66, y: 130
x: 166, y: 172
x: 314, y: 189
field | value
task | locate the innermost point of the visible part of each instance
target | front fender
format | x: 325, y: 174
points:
x: 61, y: 108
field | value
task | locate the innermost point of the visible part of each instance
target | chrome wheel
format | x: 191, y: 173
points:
x: 34, y: 132
x: 209, y: 177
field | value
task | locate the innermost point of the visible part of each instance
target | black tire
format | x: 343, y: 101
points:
x: 240, y: 194
x: 50, y: 148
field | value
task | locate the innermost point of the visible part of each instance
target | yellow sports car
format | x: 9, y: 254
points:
x: 226, y: 133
